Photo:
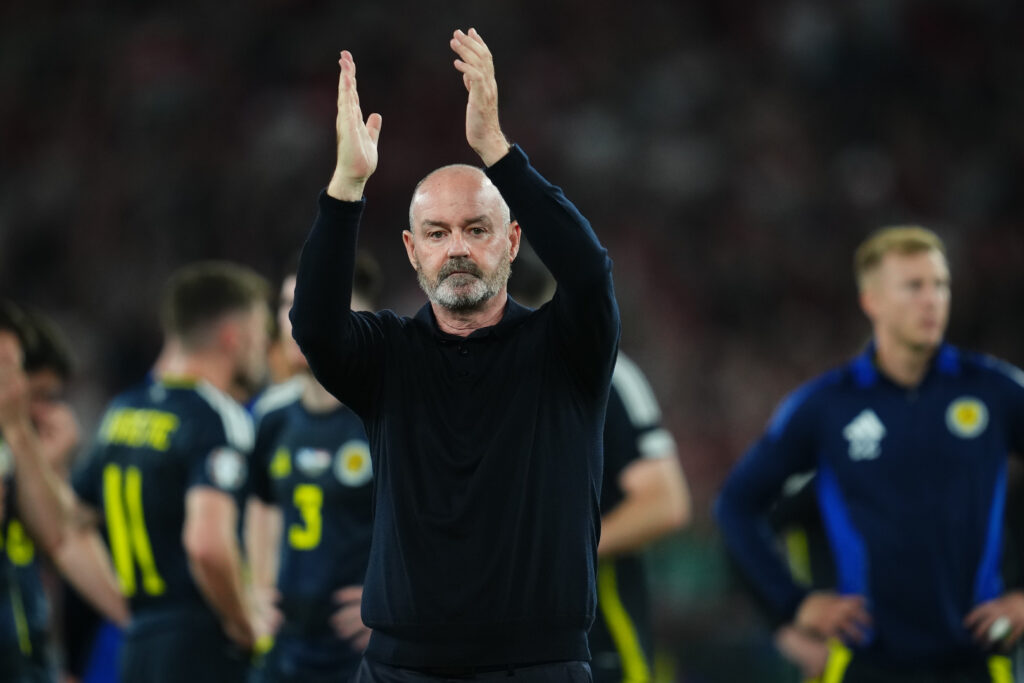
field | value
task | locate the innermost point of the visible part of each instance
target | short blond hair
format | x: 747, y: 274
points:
x: 900, y: 239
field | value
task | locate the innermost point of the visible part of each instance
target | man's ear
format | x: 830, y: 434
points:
x: 868, y: 302
x: 410, y: 247
x: 229, y: 332
x: 515, y: 235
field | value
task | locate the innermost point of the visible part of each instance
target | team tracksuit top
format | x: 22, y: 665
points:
x: 911, y: 486
x: 487, y: 449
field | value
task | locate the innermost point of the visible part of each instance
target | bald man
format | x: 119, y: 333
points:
x: 484, y: 417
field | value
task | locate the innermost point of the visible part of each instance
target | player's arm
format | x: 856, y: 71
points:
x: 1001, y: 620
x: 84, y: 561
x: 38, y: 497
x: 263, y: 528
x: 657, y: 503
x: 211, y: 544
x: 788, y: 447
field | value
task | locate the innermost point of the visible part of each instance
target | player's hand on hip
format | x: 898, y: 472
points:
x: 483, y: 132
x: 357, y: 141
x: 806, y: 651
x: 347, y: 620
x: 830, y: 615
x: 998, y: 623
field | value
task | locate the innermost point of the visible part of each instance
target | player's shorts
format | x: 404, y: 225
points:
x: 181, y: 646
x: 844, y: 667
x: 556, y: 672
x: 307, y: 660
x: 17, y: 667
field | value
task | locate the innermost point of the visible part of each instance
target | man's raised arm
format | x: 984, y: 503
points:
x: 321, y: 316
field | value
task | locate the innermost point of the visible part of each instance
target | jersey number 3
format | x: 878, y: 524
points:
x: 129, y: 541
x: 309, y: 499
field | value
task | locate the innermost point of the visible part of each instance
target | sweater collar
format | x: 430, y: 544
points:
x: 513, y: 315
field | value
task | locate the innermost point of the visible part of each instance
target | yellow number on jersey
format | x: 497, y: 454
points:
x: 129, y: 540
x: 309, y: 500
x: 20, y: 549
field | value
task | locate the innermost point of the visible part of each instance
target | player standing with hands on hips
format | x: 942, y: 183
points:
x: 484, y: 418
x: 909, y: 441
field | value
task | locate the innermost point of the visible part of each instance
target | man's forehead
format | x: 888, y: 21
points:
x: 463, y: 197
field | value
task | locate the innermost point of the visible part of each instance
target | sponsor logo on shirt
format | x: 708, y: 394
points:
x: 312, y: 462
x: 865, y: 434
x: 352, y: 467
x: 226, y: 468
x: 967, y: 417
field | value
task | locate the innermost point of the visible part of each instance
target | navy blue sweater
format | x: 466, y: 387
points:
x: 487, y: 450
x: 911, y: 485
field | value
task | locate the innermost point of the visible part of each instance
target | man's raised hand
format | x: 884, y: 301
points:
x: 483, y: 132
x: 357, y: 141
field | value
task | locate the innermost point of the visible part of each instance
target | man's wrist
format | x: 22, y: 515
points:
x: 345, y: 189
x: 494, y: 150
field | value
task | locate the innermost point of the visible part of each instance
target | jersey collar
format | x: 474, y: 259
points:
x: 865, y: 373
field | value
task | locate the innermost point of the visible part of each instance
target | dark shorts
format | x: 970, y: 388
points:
x: 17, y: 667
x: 557, y: 672
x: 181, y: 649
x: 844, y: 667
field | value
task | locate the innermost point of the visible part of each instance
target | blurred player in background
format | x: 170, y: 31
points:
x: 311, y: 468
x: 168, y: 470
x: 39, y: 433
x: 909, y: 441
x: 48, y: 366
x: 644, y: 497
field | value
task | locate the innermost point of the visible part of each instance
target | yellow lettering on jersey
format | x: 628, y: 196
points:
x: 20, y: 548
x: 309, y: 500
x: 140, y: 428
x: 281, y: 464
x: 126, y: 526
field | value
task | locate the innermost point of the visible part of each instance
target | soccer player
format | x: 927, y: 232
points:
x: 40, y: 434
x: 484, y: 417
x: 910, y: 442
x: 168, y: 470
x: 312, y: 464
x: 644, y: 497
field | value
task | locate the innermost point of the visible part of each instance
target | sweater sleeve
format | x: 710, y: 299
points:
x: 586, y: 320
x: 742, y: 507
x: 344, y: 348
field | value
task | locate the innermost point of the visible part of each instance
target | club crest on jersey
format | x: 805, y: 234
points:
x: 227, y: 468
x: 312, y: 462
x: 967, y: 417
x: 353, y: 466
x: 865, y: 434
x: 6, y: 460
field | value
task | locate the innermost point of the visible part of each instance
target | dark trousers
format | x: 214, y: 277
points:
x: 558, y: 672
x: 195, y: 651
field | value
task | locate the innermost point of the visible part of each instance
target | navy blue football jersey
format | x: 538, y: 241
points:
x: 316, y: 467
x: 155, y: 443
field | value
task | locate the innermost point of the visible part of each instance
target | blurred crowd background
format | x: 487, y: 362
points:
x: 730, y: 154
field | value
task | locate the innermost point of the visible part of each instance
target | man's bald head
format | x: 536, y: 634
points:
x: 456, y: 184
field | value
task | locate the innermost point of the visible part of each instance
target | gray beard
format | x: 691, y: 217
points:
x: 467, y: 290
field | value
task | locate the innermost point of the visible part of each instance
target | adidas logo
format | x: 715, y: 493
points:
x: 865, y: 434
